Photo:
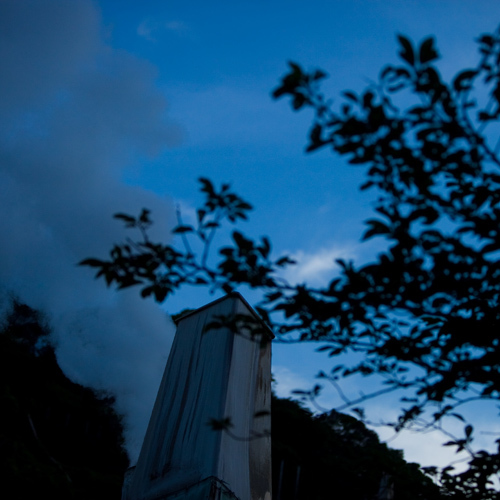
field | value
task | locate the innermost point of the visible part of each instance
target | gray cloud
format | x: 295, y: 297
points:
x: 74, y: 112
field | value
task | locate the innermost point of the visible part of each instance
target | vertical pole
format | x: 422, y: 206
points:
x: 280, y: 480
x: 297, y: 483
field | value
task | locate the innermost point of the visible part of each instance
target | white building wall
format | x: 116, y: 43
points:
x: 214, y: 374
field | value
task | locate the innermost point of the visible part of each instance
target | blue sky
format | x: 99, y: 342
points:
x: 111, y: 106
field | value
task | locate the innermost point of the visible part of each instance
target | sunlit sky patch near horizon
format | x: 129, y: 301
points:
x: 113, y: 106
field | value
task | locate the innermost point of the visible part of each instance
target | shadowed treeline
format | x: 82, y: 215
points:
x: 313, y: 457
x: 57, y: 438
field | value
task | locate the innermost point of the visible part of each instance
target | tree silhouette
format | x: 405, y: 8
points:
x: 316, y: 457
x: 425, y: 312
x: 57, y: 439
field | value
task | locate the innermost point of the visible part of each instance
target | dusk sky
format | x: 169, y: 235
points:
x: 111, y: 106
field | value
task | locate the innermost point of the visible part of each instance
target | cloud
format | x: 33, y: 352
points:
x: 43, y: 43
x: 149, y: 29
x: 122, y: 348
x: 316, y: 268
x: 146, y: 29
x: 74, y: 113
x: 425, y: 448
x: 287, y: 381
x: 177, y: 27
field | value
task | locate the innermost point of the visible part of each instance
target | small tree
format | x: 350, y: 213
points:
x: 425, y: 314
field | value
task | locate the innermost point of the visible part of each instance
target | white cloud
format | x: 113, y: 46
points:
x: 151, y: 29
x: 287, y: 381
x: 122, y: 348
x: 146, y: 29
x: 317, y: 268
x: 177, y: 27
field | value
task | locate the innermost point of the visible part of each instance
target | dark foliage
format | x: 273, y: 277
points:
x: 58, y: 439
x: 316, y: 456
x: 425, y: 313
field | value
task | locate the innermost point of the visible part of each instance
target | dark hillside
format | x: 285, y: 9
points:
x: 336, y: 456
x: 57, y: 439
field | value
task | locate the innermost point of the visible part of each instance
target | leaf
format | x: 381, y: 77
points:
x: 283, y: 261
x: 266, y: 247
x: 243, y: 205
x: 319, y: 75
x: 207, y: 186
x: 315, y: 138
x: 387, y: 71
x: 491, y: 247
x: 427, y: 51
x: 144, y: 217
x: 128, y: 219
x: 406, y: 53
x: 160, y: 293
x: 201, y: 215
x: 261, y: 413
x: 368, y: 99
x: 272, y: 297
x: 360, y: 412
x: 487, y: 40
x: 91, y: 263
x: 147, y: 291
x: 463, y: 80
x: 220, y: 424
x: 242, y: 242
x: 296, y: 69
x: 377, y: 228
x: 496, y: 93
x: 182, y: 229
x: 323, y: 348
x: 350, y: 95
x: 299, y: 100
